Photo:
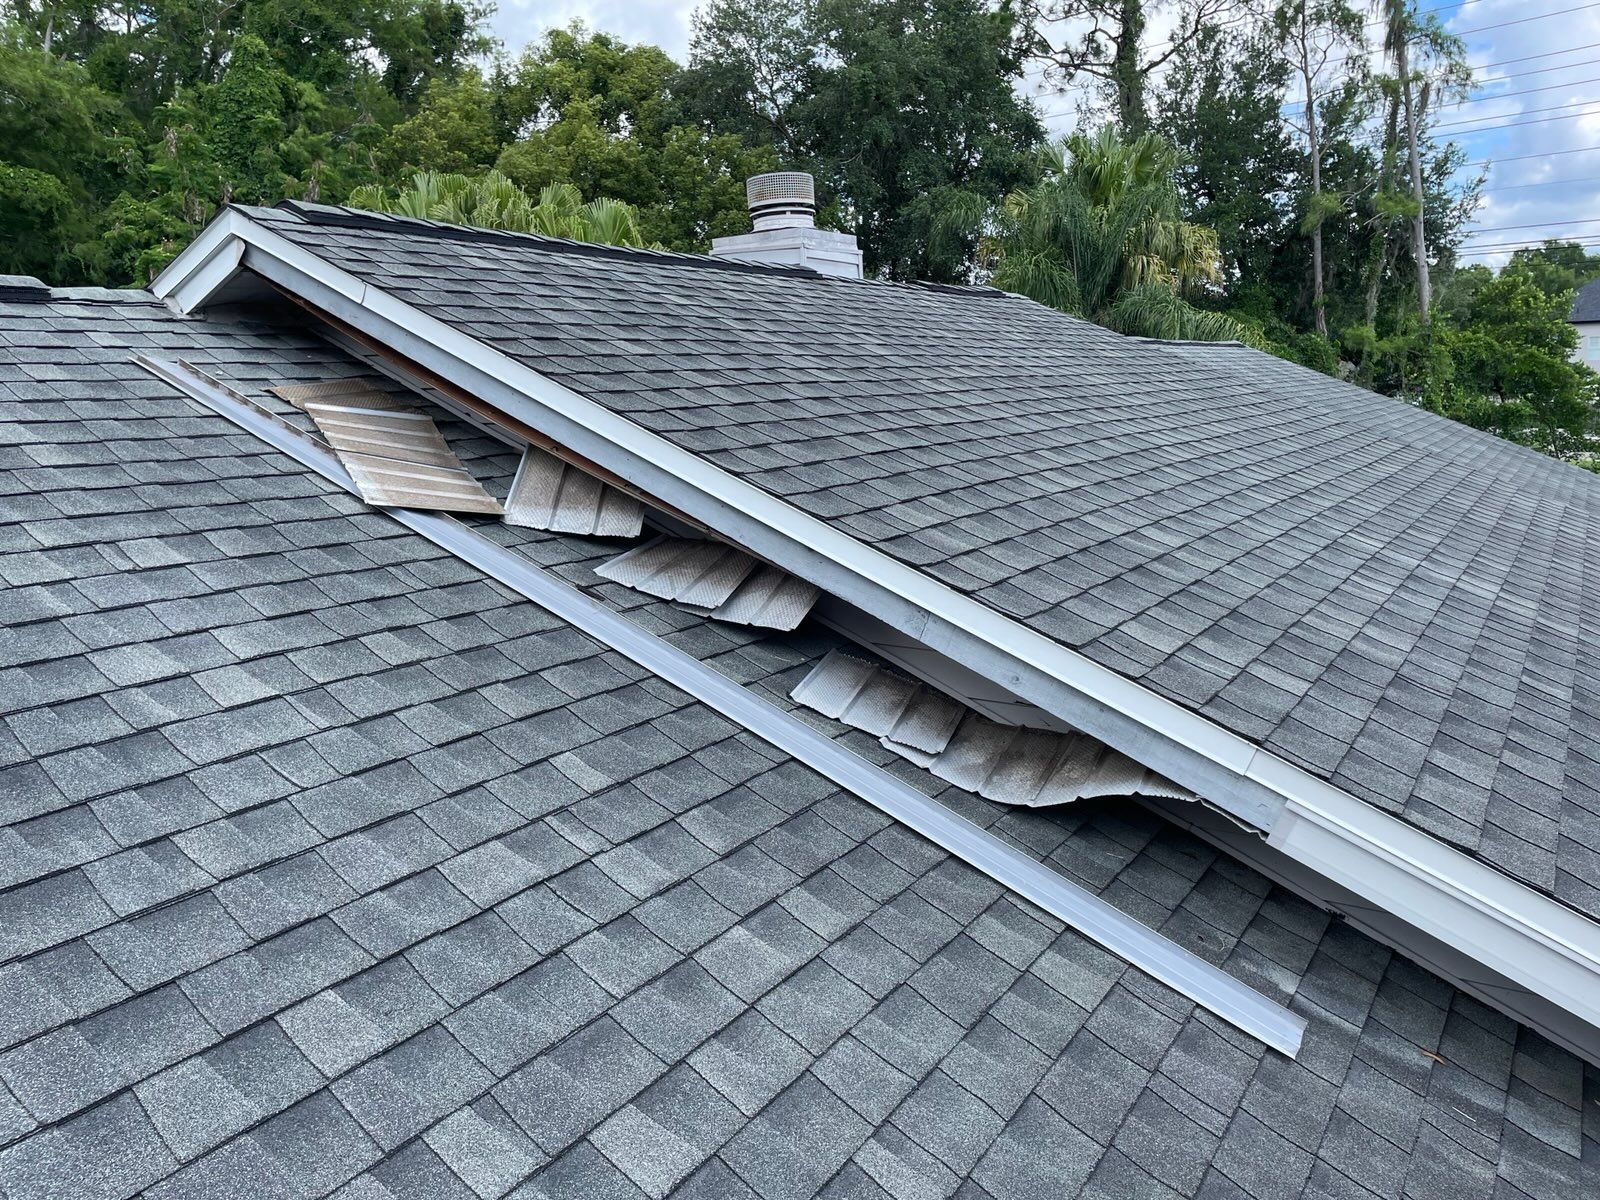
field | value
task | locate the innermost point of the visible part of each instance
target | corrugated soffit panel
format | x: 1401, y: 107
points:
x: 1005, y: 763
x: 553, y: 495
x: 714, y: 580
x: 398, y: 457
x: 336, y: 391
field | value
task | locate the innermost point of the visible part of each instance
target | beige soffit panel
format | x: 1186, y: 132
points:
x: 398, y: 457
x: 551, y: 494
x: 336, y: 391
x: 715, y: 580
x: 1006, y: 763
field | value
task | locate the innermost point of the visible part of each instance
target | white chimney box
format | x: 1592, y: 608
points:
x: 783, y: 209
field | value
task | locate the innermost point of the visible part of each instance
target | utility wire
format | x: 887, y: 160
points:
x: 1526, y: 112
x: 1484, y: 162
x: 1471, y: 233
x: 1518, y: 187
x: 1299, y: 105
x: 1465, y: 133
x: 1560, y: 12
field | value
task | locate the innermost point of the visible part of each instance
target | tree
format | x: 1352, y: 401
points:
x: 1556, y: 266
x: 491, y: 201
x: 595, y: 112
x: 453, y: 130
x: 1310, y: 31
x: 1514, y: 370
x: 1103, y: 39
x: 1099, y: 236
x: 1221, y: 105
x: 904, y: 110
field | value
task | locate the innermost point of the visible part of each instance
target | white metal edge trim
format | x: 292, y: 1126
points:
x: 1129, y: 939
x: 1333, y: 833
x: 1541, y: 924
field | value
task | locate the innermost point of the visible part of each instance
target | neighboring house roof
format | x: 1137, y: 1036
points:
x: 1392, y: 601
x: 332, y: 862
x: 1586, y: 304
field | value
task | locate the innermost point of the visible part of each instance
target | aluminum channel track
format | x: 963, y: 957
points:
x: 1207, y: 985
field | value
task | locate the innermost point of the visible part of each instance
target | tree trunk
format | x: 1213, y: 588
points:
x: 1126, y: 76
x: 1318, y: 299
x: 1419, y: 234
x: 1379, y: 257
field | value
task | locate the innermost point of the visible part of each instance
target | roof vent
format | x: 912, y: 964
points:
x: 781, y: 200
x: 783, y: 210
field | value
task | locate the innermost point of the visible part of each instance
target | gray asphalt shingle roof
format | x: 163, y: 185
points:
x: 1395, y: 602
x: 334, y: 868
x: 1586, y: 304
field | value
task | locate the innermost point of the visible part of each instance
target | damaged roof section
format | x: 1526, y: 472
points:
x: 551, y: 494
x: 1383, y: 598
x: 1004, y: 763
x: 715, y: 580
x: 336, y: 867
x: 396, y: 455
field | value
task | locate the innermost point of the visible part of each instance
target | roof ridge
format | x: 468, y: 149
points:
x: 343, y: 216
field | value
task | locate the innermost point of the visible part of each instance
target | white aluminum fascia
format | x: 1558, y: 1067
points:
x: 1543, y: 944
x: 1129, y: 939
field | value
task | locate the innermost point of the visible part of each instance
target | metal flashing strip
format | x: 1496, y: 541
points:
x: 1207, y: 985
x: 714, y: 580
x: 398, y: 457
x: 555, y: 496
x: 1503, y: 923
x: 1005, y: 763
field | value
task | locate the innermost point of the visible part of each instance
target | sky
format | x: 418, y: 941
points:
x: 1543, y: 175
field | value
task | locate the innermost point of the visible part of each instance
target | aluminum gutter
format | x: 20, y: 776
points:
x: 1522, y: 934
x: 1165, y: 960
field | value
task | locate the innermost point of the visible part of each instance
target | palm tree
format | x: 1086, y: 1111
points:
x: 1099, y: 236
x: 491, y: 201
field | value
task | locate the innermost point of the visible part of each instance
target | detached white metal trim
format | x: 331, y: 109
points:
x: 1129, y: 939
x: 1531, y: 938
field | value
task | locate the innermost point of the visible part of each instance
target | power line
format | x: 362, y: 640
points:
x: 1471, y: 233
x: 1484, y: 162
x: 1526, y: 112
x: 1464, y: 133
x: 1506, y: 62
x: 1551, y: 87
x: 1518, y: 187
x: 1560, y: 12
x: 1507, y: 247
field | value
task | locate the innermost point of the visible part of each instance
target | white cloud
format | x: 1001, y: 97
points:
x: 663, y: 23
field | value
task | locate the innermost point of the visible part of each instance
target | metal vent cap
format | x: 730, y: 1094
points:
x: 781, y: 198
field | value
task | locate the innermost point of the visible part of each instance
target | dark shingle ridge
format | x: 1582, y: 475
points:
x: 354, y: 218
x: 1586, y: 304
x: 22, y: 288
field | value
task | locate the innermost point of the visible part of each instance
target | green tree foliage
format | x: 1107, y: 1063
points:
x: 1556, y: 266
x: 905, y: 110
x: 454, y: 129
x: 1513, y: 369
x: 598, y: 113
x: 1099, y: 235
x: 491, y: 201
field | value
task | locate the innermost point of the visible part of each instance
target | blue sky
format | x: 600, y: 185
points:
x: 1544, y: 174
